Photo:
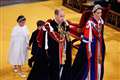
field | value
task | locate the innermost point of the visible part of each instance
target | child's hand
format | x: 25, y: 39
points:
x: 28, y: 48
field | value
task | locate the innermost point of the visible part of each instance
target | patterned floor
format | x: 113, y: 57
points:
x: 44, y: 10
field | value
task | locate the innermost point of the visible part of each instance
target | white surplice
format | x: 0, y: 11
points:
x: 18, y: 45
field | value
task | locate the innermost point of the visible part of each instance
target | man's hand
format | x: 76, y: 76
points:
x: 62, y: 40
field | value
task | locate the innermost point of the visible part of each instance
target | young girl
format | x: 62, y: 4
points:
x: 18, y: 45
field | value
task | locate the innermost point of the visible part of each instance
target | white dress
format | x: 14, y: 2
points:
x: 18, y: 45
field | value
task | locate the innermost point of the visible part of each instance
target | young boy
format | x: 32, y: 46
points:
x: 39, y: 70
x: 33, y: 42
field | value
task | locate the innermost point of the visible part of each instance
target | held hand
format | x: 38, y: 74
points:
x: 28, y: 48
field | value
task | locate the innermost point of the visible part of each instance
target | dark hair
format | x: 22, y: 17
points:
x: 40, y: 23
x: 21, y: 18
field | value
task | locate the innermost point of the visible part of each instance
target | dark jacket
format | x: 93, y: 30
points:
x: 33, y: 42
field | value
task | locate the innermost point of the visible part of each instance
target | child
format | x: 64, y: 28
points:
x: 19, y: 45
x: 33, y: 42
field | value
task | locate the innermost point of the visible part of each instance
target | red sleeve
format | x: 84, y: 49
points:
x: 86, y: 31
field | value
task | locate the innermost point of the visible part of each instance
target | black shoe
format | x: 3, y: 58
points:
x: 30, y: 63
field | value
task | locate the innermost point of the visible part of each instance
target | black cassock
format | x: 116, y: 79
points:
x: 33, y: 42
x: 39, y: 70
x: 53, y: 52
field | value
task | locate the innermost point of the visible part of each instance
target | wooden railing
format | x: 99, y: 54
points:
x: 75, y: 5
x: 113, y: 19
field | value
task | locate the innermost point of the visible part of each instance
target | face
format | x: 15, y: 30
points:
x: 98, y: 13
x: 60, y: 17
x: 22, y: 23
x: 40, y: 27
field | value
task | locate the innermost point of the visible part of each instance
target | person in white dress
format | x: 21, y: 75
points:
x: 19, y: 45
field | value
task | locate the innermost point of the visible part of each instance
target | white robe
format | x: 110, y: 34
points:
x: 18, y: 45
